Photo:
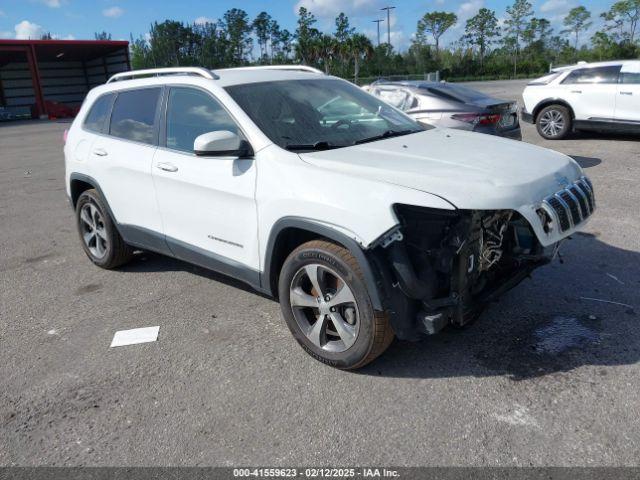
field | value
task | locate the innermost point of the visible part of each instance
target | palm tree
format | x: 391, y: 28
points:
x: 324, y: 49
x: 359, y: 47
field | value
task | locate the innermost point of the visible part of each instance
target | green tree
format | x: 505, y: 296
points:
x: 261, y: 25
x: 624, y: 16
x: 238, y: 31
x: 171, y: 44
x: 305, y: 35
x: 603, y: 45
x: 343, y: 35
x: 286, y: 43
x: 577, y: 21
x: 275, y: 38
x: 343, y: 29
x: 324, y: 48
x: 140, y: 54
x: 481, y: 30
x: 360, y: 48
x: 435, y: 24
x: 516, y: 23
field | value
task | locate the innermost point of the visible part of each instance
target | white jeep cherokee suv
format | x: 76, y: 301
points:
x: 588, y: 96
x: 362, y: 223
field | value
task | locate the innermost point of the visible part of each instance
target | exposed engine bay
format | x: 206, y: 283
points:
x: 442, y: 267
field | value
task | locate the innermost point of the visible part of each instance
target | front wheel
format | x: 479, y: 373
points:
x: 328, y: 309
x: 554, y: 122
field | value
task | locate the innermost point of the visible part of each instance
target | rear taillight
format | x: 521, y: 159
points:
x: 477, y: 119
x: 65, y: 135
x: 489, y: 119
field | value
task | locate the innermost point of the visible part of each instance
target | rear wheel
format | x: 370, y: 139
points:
x: 328, y: 309
x: 100, y: 239
x: 554, y: 122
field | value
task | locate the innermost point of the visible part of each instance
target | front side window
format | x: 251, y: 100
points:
x: 98, y: 114
x: 191, y: 113
x: 134, y: 114
x: 594, y: 75
x: 303, y: 115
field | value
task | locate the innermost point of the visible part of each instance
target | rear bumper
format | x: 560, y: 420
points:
x: 526, y: 117
x: 514, y: 133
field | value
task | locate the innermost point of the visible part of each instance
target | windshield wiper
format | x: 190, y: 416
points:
x: 324, y: 145
x: 386, y: 134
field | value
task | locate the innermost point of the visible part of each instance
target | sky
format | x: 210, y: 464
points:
x: 79, y: 19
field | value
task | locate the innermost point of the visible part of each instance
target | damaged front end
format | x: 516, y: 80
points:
x: 439, y: 267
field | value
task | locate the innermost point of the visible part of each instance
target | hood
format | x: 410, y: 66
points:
x: 470, y: 170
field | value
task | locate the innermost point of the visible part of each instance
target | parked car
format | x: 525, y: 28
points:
x: 363, y: 223
x: 451, y: 105
x: 603, y: 96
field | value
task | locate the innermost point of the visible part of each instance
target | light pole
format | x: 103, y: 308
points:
x: 378, y: 22
x: 388, y: 9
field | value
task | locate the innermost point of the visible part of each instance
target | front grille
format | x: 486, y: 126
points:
x: 582, y: 199
x: 560, y: 212
x: 573, y: 204
x: 587, y: 186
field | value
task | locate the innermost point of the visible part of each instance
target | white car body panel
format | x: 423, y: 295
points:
x: 628, y: 95
x: 358, y: 207
x: 209, y: 203
x: 491, y: 179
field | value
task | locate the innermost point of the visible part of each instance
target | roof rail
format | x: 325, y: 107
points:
x: 302, y: 68
x: 202, y: 72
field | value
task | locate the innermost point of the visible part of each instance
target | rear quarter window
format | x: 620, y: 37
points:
x: 98, y: 113
x: 134, y: 115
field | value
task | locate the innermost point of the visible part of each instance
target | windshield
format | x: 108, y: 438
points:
x: 318, y: 114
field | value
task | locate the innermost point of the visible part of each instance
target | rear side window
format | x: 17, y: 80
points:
x: 191, y: 113
x: 134, y: 115
x: 594, y: 75
x: 98, y: 114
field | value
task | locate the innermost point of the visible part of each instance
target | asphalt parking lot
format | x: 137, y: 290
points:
x: 548, y: 376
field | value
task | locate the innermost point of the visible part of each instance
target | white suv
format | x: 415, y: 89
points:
x: 362, y: 223
x: 588, y: 96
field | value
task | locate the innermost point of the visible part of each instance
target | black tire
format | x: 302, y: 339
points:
x: 554, y: 122
x: 374, y: 333
x: 112, y: 251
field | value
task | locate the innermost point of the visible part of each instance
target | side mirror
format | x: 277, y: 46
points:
x: 221, y: 143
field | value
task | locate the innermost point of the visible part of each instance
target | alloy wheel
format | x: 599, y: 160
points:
x: 552, y: 123
x: 324, y: 308
x: 94, y: 233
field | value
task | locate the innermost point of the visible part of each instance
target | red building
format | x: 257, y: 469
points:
x: 51, y: 77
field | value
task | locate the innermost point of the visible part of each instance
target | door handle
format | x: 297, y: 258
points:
x: 167, y: 167
x: 626, y: 93
x: 576, y: 91
x: 100, y: 152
